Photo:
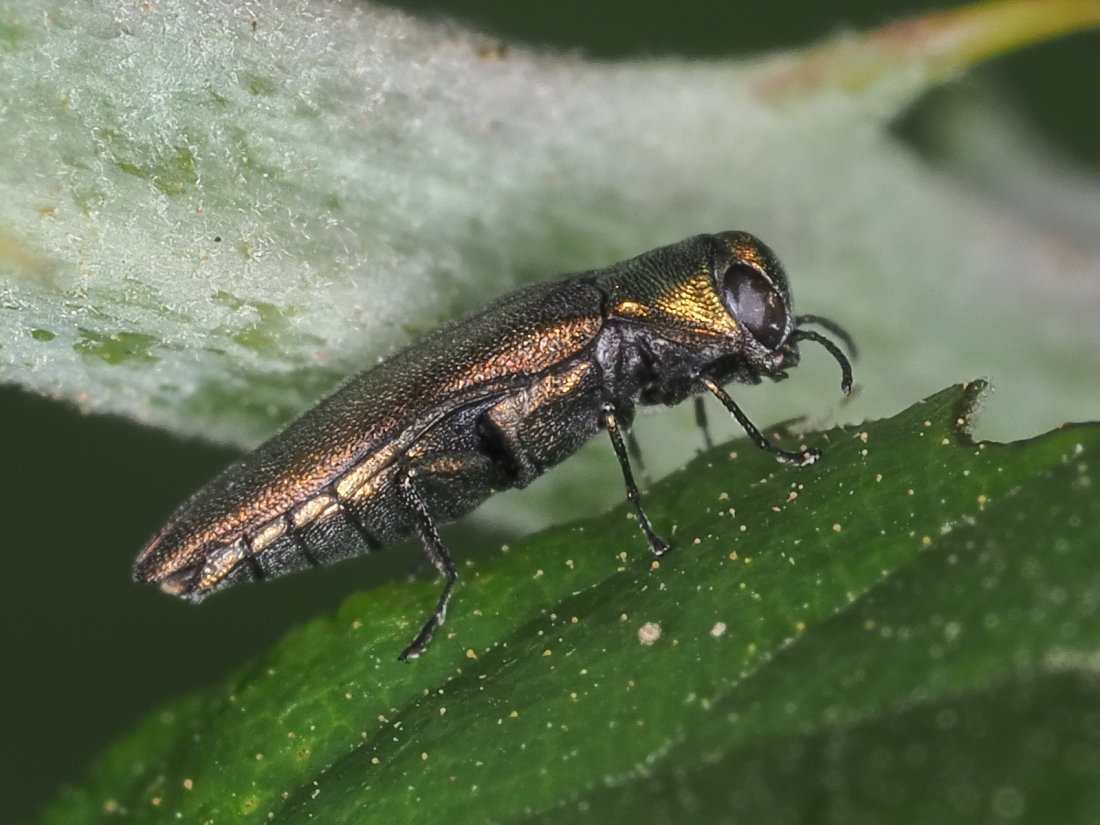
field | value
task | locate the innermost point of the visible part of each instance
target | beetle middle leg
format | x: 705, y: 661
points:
x: 701, y: 422
x: 437, y: 553
x: 635, y: 453
x: 657, y: 544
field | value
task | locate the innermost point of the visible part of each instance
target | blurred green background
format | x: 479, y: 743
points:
x: 87, y: 652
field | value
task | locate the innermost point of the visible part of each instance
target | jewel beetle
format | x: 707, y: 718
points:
x: 490, y: 402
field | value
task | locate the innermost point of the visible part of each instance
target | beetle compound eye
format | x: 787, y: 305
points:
x: 754, y: 303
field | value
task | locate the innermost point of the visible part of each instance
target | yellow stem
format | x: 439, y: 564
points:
x: 937, y: 45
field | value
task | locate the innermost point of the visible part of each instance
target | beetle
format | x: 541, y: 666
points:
x: 490, y: 402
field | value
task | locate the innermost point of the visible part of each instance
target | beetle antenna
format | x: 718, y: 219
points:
x: 834, y: 350
x: 830, y: 326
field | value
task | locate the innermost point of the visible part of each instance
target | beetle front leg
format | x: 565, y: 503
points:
x: 657, y: 544
x: 437, y: 554
x: 799, y: 459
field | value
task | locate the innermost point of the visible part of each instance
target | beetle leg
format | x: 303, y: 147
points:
x: 437, y: 554
x: 657, y: 544
x: 635, y: 453
x: 701, y: 422
x: 799, y: 459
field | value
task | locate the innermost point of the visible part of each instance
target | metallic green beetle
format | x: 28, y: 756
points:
x: 489, y: 402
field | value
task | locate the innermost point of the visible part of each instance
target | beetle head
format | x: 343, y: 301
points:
x: 755, y: 292
x: 752, y: 287
x: 717, y: 306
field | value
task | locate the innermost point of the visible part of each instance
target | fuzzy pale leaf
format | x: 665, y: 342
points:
x: 209, y: 216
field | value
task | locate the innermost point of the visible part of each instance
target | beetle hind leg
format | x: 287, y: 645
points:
x: 437, y: 553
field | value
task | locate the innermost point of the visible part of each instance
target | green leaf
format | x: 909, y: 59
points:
x: 906, y: 630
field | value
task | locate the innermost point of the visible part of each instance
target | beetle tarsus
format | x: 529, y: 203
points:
x: 801, y: 458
